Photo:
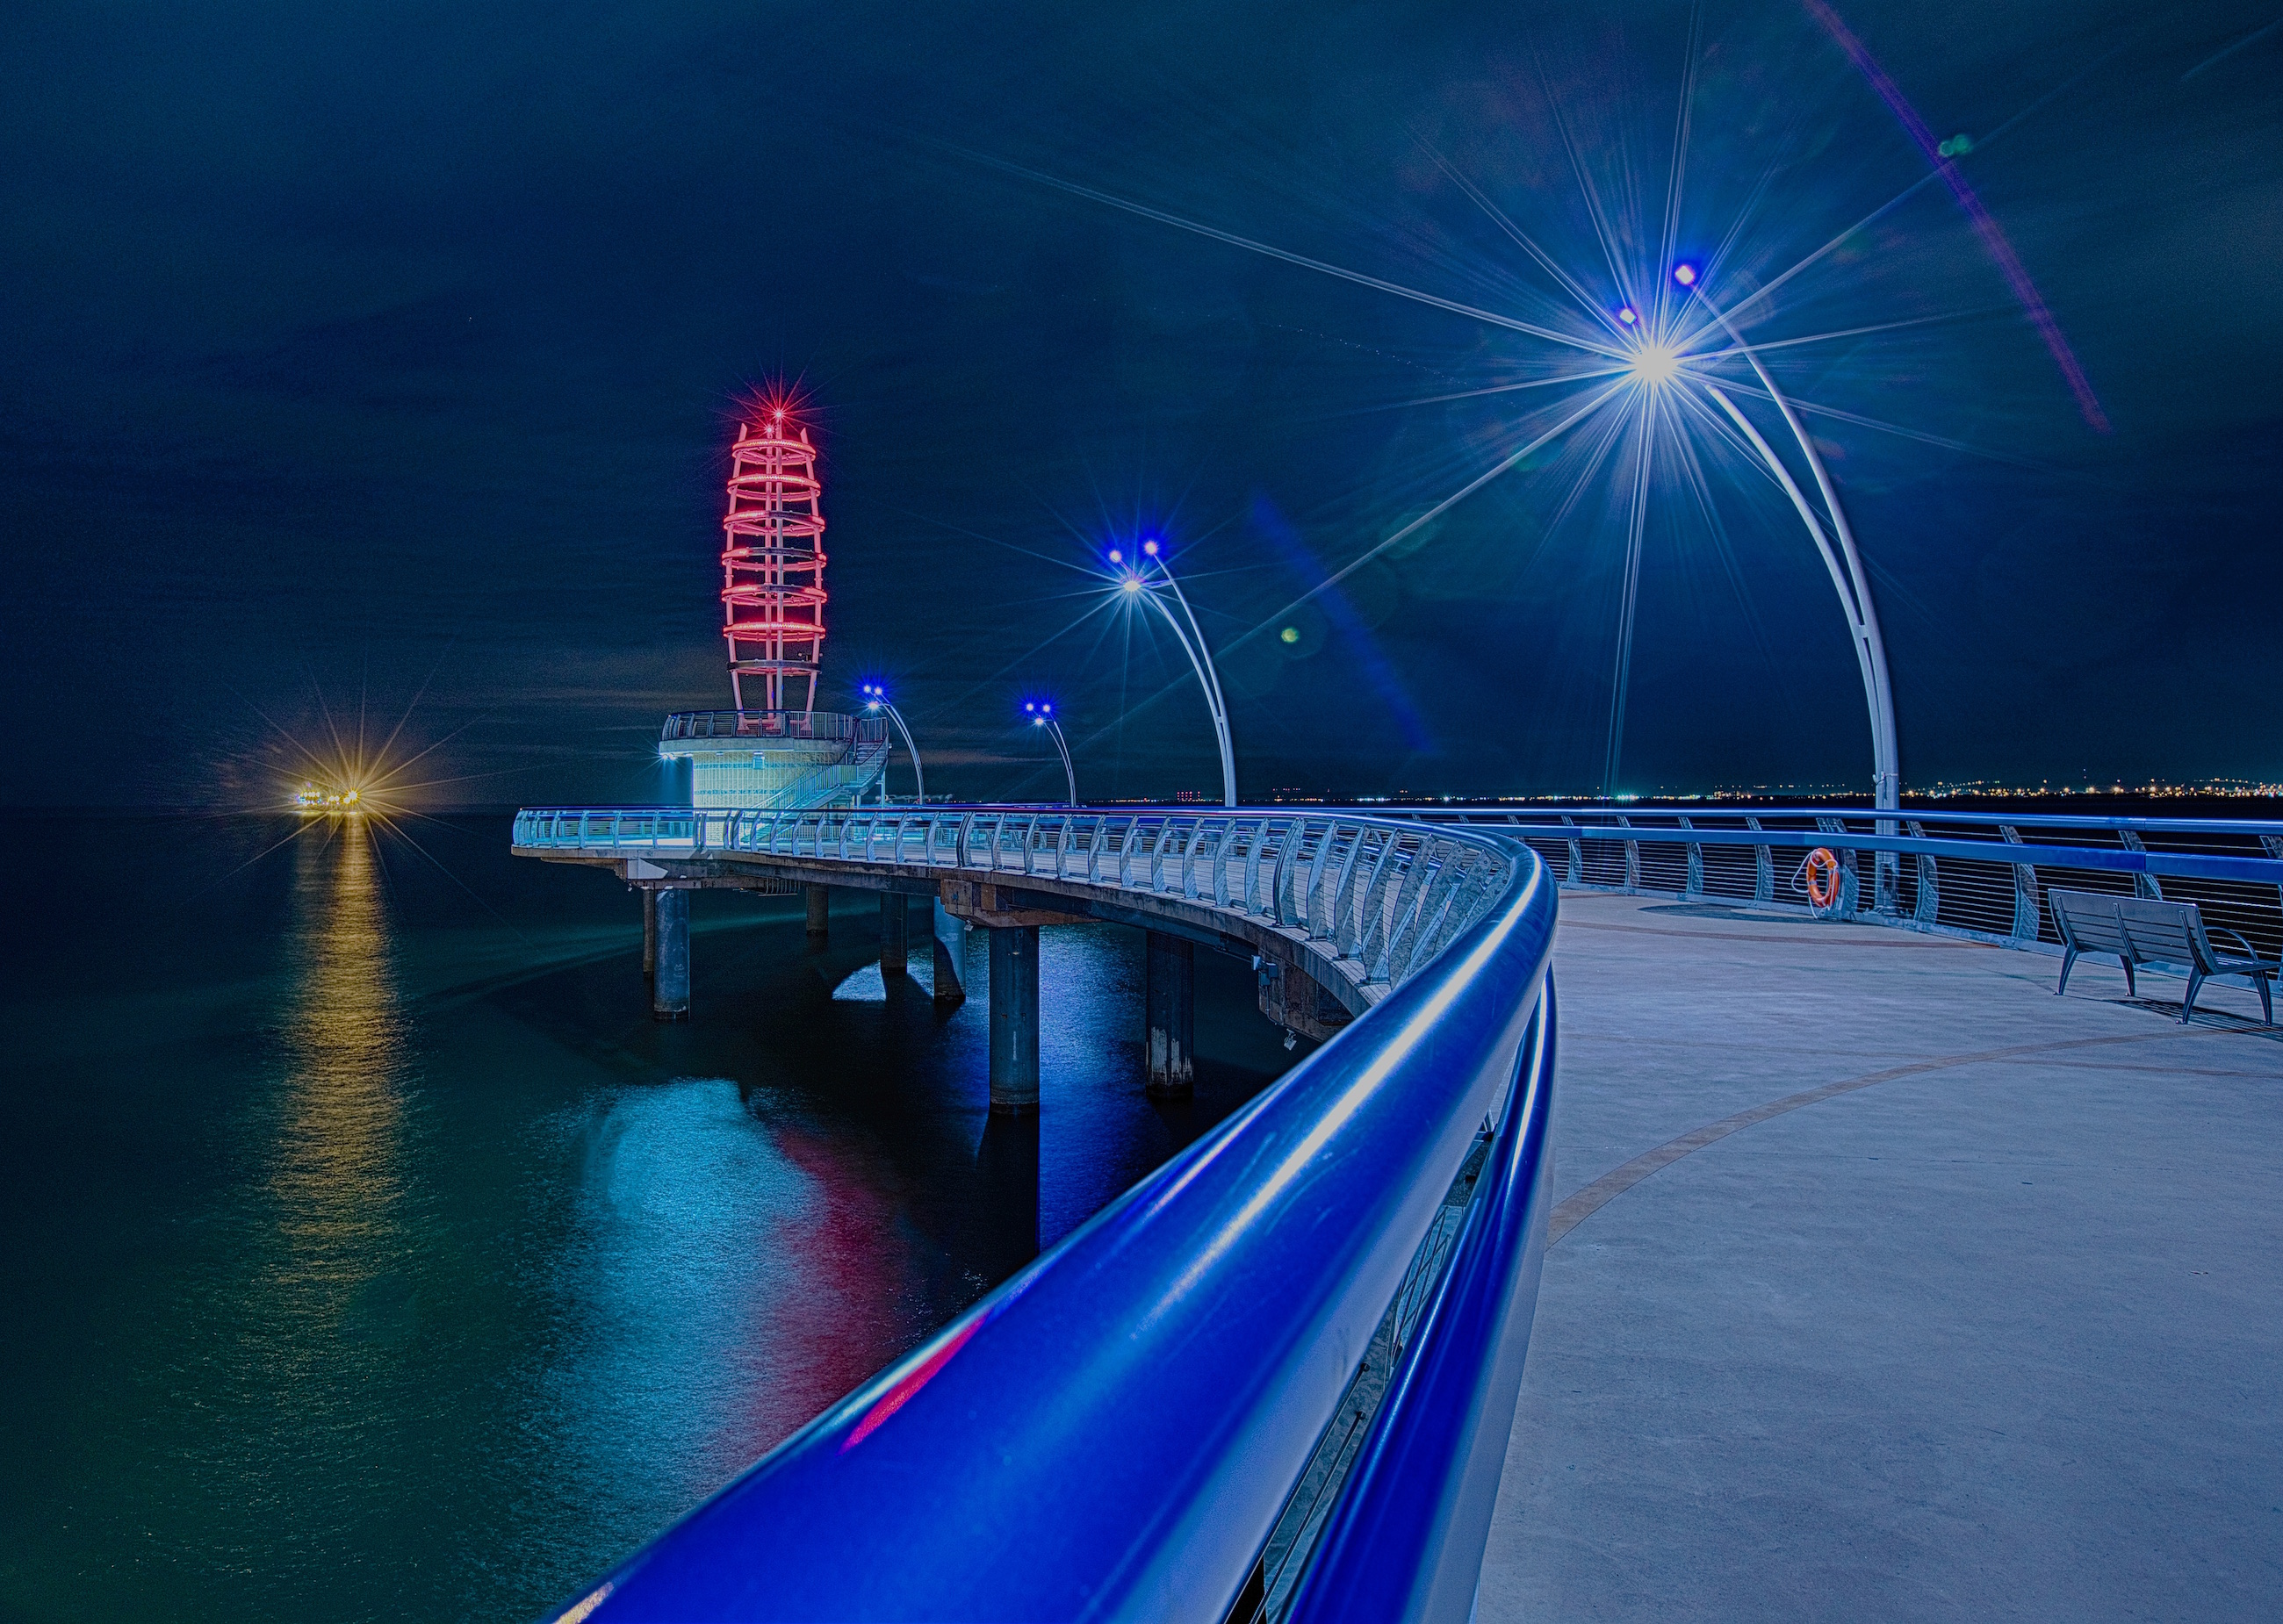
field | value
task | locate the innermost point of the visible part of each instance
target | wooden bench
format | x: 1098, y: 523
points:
x: 2142, y: 931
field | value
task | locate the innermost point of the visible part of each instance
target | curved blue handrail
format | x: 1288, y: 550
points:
x: 1113, y: 1433
x: 1406, y: 1539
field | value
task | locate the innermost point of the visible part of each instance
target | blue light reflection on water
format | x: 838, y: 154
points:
x: 372, y: 1254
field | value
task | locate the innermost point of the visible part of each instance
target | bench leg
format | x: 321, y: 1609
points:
x: 2267, y: 1007
x: 2068, y: 963
x: 2131, y: 991
x: 2188, y: 1003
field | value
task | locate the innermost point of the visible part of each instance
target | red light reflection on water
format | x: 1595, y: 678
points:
x: 857, y: 1307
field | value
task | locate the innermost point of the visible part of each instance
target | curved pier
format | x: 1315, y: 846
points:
x: 1872, y: 1257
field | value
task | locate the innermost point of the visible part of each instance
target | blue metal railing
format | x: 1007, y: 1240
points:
x: 1114, y: 1432
x: 1377, y: 896
x: 1977, y: 875
x: 1406, y: 1538
x: 1972, y: 873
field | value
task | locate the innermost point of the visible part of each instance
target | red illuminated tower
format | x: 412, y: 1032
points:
x: 772, y: 562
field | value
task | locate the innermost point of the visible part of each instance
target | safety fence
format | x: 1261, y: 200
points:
x: 801, y: 725
x: 1383, y: 894
x: 1979, y: 875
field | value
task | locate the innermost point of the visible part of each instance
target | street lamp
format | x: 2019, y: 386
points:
x: 875, y: 698
x: 1043, y: 716
x: 1135, y: 584
x: 1837, y: 547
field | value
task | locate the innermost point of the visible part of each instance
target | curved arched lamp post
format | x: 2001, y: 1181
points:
x: 1134, y: 584
x: 1657, y: 361
x: 1837, y: 547
x: 875, y: 698
x: 1043, y: 716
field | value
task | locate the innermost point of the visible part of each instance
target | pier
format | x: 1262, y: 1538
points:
x: 1875, y: 1270
x: 1866, y: 1258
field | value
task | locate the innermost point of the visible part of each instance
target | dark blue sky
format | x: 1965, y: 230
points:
x: 344, y: 346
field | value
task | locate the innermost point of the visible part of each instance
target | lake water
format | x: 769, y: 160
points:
x: 372, y: 1254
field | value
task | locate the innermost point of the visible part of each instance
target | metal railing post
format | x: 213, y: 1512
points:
x: 1764, y: 867
x: 2144, y: 884
x: 1850, y: 885
x: 2025, y: 891
x: 1926, y: 905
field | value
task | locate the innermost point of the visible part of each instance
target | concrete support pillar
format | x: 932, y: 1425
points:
x: 895, y: 947
x: 670, y: 985
x: 1015, y: 1019
x: 650, y: 933
x: 820, y: 912
x: 1001, y: 1222
x: 950, y: 955
x: 1171, y: 999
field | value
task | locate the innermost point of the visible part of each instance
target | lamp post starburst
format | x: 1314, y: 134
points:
x: 1639, y: 371
x: 1836, y: 548
x: 1043, y: 715
x: 1140, y: 580
x: 875, y: 698
x: 1666, y: 367
x: 1664, y: 357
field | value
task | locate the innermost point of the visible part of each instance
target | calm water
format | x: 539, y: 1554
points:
x: 371, y: 1254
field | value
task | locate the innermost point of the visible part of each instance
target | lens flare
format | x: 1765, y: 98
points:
x: 1656, y: 363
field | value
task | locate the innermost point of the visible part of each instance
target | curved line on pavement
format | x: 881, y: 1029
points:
x: 1575, y: 1209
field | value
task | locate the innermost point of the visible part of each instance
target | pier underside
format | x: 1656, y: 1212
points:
x: 1990, y: 1325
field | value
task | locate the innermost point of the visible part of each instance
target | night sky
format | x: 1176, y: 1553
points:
x: 351, y: 349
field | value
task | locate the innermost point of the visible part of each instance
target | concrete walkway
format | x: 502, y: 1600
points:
x: 1988, y: 1326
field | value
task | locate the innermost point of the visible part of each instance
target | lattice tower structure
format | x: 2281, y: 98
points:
x: 773, y: 563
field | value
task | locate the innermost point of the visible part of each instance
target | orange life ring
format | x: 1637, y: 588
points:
x: 1822, y: 866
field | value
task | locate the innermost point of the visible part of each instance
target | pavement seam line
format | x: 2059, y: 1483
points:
x: 1582, y: 1205
x: 1912, y: 939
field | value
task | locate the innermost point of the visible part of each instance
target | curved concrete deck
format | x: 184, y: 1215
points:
x: 1988, y: 1325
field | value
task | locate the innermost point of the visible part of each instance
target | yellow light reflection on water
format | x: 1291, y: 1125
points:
x: 338, y: 1178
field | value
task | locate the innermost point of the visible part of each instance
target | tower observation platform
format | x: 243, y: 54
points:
x: 773, y: 600
x: 776, y: 758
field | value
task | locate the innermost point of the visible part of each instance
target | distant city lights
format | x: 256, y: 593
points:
x: 2227, y: 789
